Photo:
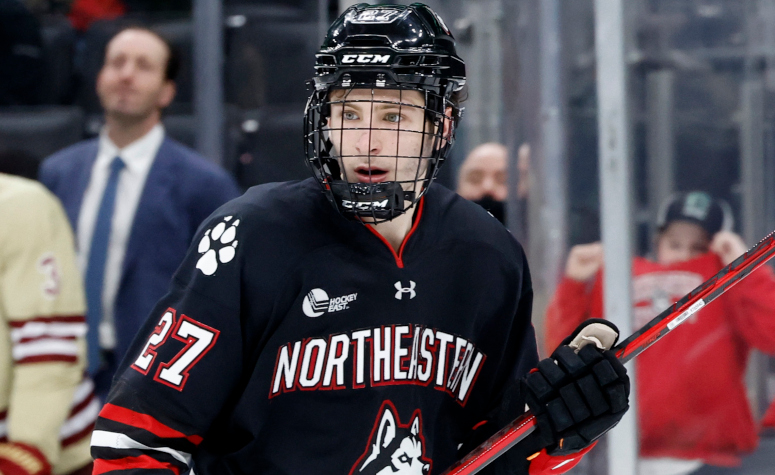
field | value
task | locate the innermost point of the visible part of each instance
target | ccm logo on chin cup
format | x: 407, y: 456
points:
x: 366, y: 58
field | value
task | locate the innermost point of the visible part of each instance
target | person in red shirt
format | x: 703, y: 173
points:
x: 692, y: 406
x: 85, y: 12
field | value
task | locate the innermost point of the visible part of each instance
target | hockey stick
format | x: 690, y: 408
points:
x: 628, y: 349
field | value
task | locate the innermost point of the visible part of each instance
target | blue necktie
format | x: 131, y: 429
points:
x: 95, y: 268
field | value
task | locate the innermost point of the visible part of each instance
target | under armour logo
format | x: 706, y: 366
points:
x: 405, y: 290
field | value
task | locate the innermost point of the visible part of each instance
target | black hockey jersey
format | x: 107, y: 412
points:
x: 295, y: 341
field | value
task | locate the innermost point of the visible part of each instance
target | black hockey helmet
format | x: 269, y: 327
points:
x: 398, y: 47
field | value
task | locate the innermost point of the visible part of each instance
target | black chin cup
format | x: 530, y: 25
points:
x: 380, y: 201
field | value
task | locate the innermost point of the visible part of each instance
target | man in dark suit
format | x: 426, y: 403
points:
x: 134, y: 196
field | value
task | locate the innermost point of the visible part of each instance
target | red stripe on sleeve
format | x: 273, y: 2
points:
x: 78, y: 436
x: 54, y: 319
x: 144, y: 461
x: 45, y: 337
x: 81, y: 405
x: 47, y: 358
x: 144, y: 421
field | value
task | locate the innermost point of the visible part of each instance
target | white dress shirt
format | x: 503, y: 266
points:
x: 138, y: 158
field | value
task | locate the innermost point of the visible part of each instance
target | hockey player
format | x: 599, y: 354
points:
x: 686, y: 418
x: 47, y: 411
x: 362, y: 321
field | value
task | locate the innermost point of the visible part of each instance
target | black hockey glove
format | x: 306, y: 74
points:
x: 578, y: 395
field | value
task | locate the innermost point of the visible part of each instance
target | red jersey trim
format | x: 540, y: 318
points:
x: 81, y: 405
x: 78, y: 436
x: 479, y: 424
x: 30, y: 460
x: 143, y: 461
x: 52, y: 319
x: 47, y: 359
x: 45, y: 337
x: 399, y: 257
x: 76, y: 412
x: 144, y: 421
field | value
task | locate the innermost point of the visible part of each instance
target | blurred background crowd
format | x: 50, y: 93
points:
x: 700, y: 83
x: 52, y: 52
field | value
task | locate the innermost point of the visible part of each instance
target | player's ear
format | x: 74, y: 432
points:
x: 447, y: 127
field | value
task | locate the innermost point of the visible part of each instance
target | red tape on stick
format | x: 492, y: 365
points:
x: 495, y: 446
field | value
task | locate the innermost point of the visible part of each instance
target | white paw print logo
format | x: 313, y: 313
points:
x: 208, y: 263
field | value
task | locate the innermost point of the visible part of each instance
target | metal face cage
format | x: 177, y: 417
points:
x: 375, y: 149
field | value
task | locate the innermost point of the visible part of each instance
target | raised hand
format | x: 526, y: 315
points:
x: 584, y: 261
x: 728, y: 245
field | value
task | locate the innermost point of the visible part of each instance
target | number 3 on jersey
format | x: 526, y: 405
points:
x: 198, y: 339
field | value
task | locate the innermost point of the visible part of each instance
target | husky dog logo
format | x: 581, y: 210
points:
x: 394, y: 448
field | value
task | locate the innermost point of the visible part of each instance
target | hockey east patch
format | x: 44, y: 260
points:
x: 381, y: 356
x: 317, y: 302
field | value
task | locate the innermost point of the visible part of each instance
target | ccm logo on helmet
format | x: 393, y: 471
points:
x: 365, y: 206
x: 366, y: 58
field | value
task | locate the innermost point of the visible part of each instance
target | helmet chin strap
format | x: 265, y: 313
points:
x: 371, y: 200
